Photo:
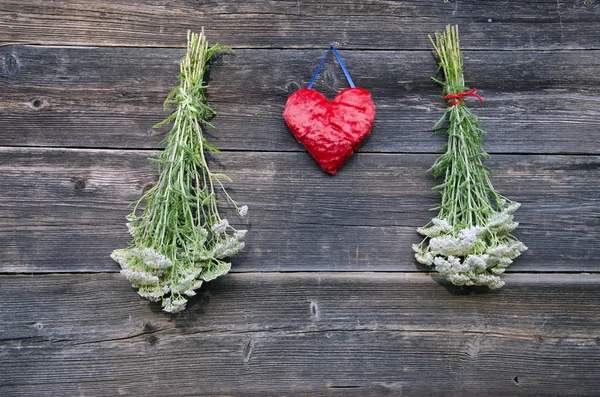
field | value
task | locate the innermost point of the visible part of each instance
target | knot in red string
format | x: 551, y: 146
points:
x: 459, y: 97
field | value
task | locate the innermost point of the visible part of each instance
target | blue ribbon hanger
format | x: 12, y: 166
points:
x: 332, y: 48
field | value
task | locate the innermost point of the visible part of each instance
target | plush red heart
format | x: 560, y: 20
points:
x: 330, y: 131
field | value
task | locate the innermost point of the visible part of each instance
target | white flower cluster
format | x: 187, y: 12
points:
x: 174, y: 304
x: 131, y: 229
x: 157, y: 276
x: 472, y: 256
x: 154, y: 260
x: 457, y: 246
x: 213, y: 271
x: 131, y: 225
x: 143, y: 267
x: 439, y: 226
x: 220, y: 227
x: 502, y: 222
x: 230, y: 246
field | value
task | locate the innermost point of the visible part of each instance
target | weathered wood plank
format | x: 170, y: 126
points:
x: 364, y: 218
x: 275, y: 24
x: 45, y: 307
x: 536, y: 102
x: 342, y: 334
x: 306, y: 364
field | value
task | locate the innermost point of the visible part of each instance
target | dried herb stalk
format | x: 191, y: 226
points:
x: 469, y: 241
x: 180, y: 238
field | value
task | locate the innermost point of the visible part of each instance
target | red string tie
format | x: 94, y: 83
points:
x: 459, y: 97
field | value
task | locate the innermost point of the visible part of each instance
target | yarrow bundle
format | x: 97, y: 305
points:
x: 469, y: 242
x: 180, y: 239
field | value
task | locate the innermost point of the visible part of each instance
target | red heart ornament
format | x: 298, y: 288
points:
x: 330, y: 131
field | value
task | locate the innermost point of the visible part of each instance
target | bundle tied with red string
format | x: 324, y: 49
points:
x: 459, y: 97
x: 470, y: 241
x: 330, y: 130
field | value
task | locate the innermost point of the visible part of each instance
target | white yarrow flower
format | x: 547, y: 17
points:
x: 154, y: 260
x: 139, y: 278
x: 174, y: 304
x: 130, y: 229
x: 440, y: 226
x: 220, y: 227
x: 424, y: 258
x: 478, y: 263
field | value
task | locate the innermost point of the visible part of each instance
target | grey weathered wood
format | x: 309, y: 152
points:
x: 374, y: 324
x: 342, y: 334
x: 529, y: 306
x: 545, y: 24
x: 364, y: 218
x: 306, y: 364
x: 536, y: 102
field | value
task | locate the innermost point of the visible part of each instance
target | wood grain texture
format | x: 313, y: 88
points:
x: 105, y: 306
x: 363, y: 219
x: 326, y: 300
x: 372, y: 24
x: 341, y: 334
x: 535, y: 102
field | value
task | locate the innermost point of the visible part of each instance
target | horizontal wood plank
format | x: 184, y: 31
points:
x: 338, y: 334
x: 361, y: 364
x: 529, y: 306
x: 535, y: 102
x: 379, y: 24
x: 364, y: 218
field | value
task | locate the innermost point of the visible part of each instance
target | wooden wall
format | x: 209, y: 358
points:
x: 326, y: 300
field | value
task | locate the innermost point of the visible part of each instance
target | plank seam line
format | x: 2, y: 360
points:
x: 291, y: 48
x: 312, y: 272
x: 157, y: 150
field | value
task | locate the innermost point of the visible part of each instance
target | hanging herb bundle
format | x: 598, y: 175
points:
x: 180, y: 239
x: 469, y: 242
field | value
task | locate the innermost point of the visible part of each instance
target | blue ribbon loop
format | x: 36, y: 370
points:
x: 341, y: 64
